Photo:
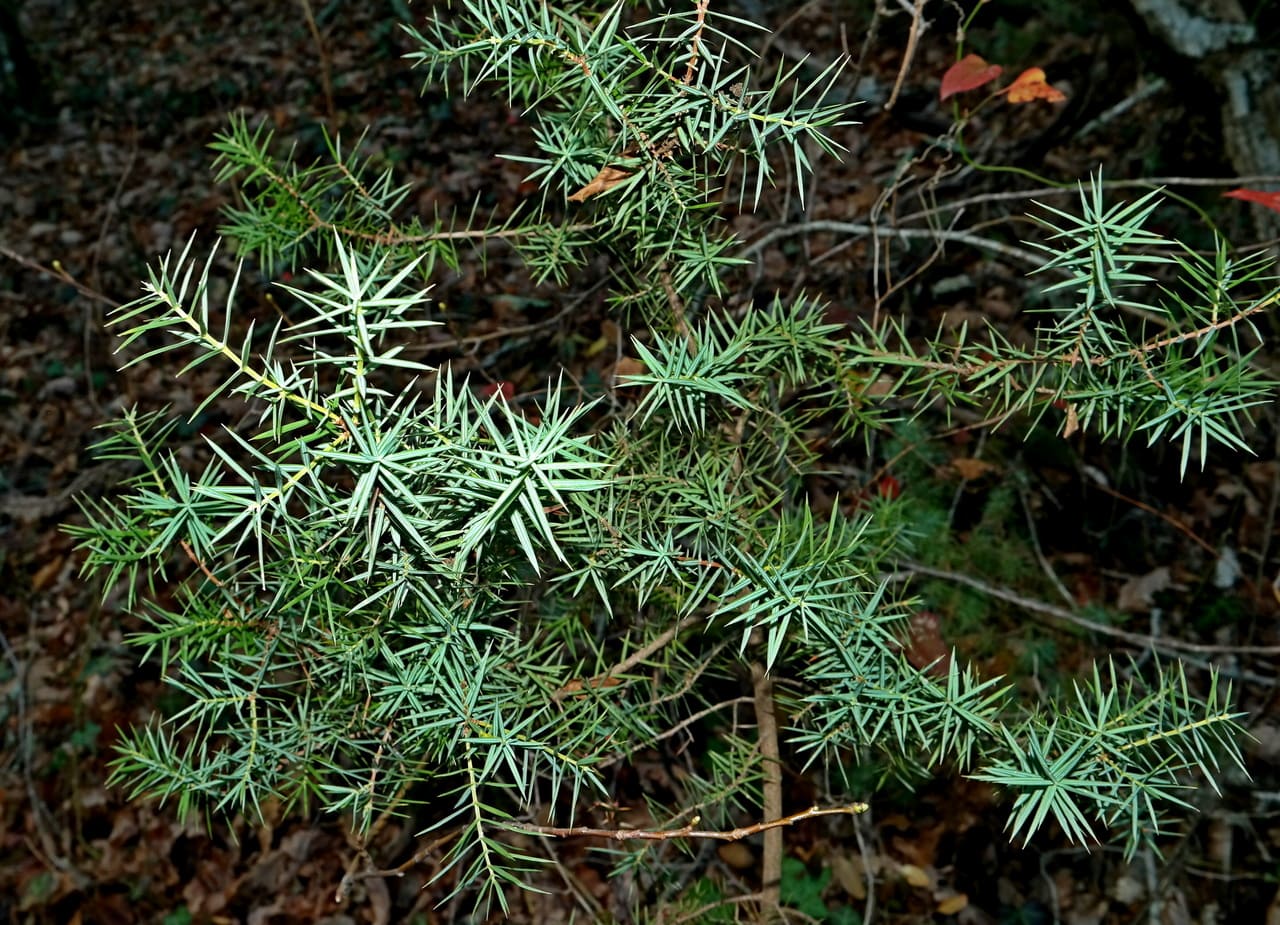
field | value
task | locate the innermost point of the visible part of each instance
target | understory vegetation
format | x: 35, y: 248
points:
x: 392, y: 589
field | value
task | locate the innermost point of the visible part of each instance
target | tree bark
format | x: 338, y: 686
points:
x: 1217, y: 37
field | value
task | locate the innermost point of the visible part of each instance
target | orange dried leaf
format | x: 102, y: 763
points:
x: 1269, y: 200
x: 969, y: 73
x: 1072, y: 424
x: 1031, y: 85
x: 576, y: 685
x: 605, y: 180
x: 969, y: 469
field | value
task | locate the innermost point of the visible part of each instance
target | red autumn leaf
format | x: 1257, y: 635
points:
x: 506, y: 389
x: 969, y: 73
x: 1031, y: 85
x: 889, y: 487
x: 1269, y: 200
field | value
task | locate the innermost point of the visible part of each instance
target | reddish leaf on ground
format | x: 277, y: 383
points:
x: 889, y: 487
x: 1031, y: 85
x: 1270, y: 200
x: 506, y: 389
x: 924, y: 646
x: 969, y: 73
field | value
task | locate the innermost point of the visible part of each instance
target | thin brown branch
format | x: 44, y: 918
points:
x: 701, y: 714
x: 394, y: 236
x: 362, y: 841
x: 419, y: 856
x: 635, y: 658
x: 1022, y: 255
x: 677, y: 311
x: 59, y: 272
x: 476, y: 340
x: 326, y: 79
x: 695, y: 46
x: 687, y: 831
x: 771, y: 785
x: 1143, y: 640
x: 231, y: 618
x: 918, y: 25
x: 674, y: 730
x: 1198, y: 333
x: 1176, y: 524
x: 191, y: 554
x: 1033, y: 532
x: 45, y: 825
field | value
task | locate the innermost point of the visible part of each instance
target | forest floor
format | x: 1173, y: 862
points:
x: 120, y: 173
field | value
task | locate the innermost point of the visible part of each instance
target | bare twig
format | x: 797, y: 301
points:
x: 40, y: 815
x: 686, y: 831
x: 682, y: 725
x: 771, y: 785
x: 635, y: 658
x: 918, y: 25
x: 590, y: 906
x: 677, y: 311
x: 1066, y: 616
x: 695, y: 46
x: 1045, y: 565
x: 59, y: 272
x: 476, y: 340
x: 326, y: 78
x: 1176, y: 524
x: 353, y: 876
x: 860, y: 824
x: 1022, y: 255
x: 1119, y: 109
x: 109, y: 213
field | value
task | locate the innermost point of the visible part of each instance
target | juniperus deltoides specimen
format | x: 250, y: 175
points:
x: 390, y: 587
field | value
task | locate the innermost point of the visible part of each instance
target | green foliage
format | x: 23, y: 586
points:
x: 704, y: 901
x: 803, y: 891
x: 1120, y: 756
x: 391, y: 588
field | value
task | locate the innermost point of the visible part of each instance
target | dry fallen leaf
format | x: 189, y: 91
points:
x: 1072, y: 423
x: 850, y: 873
x: 737, y: 855
x: 915, y: 876
x: 1137, y: 593
x: 45, y: 575
x: 578, y: 684
x: 953, y: 904
x: 925, y: 648
x: 1031, y: 85
x: 626, y: 366
x: 605, y: 180
x: 970, y: 468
